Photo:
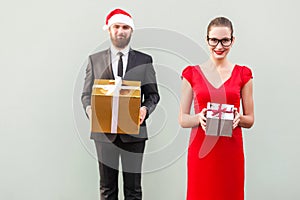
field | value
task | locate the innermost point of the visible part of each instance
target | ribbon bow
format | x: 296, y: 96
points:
x: 219, y: 111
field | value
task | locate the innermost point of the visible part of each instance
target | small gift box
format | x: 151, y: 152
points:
x: 115, y: 106
x: 219, y: 119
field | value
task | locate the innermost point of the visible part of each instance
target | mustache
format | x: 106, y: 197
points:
x: 121, y: 35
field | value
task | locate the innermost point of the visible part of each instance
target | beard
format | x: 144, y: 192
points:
x: 120, y: 41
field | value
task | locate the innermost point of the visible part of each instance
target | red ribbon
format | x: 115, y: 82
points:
x: 219, y: 111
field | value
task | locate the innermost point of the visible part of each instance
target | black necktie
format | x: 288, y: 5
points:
x: 120, y: 65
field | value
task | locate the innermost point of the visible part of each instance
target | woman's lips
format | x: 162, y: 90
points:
x: 219, y: 52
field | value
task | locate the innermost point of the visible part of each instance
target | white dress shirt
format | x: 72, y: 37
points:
x: 115, y: 59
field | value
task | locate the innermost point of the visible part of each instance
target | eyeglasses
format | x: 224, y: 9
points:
x: 226, y: 42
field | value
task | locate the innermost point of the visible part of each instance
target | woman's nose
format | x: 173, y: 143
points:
x: 219, y: 45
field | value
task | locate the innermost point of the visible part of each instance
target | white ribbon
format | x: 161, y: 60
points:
x: 110, y: 88
x: 115, y: 104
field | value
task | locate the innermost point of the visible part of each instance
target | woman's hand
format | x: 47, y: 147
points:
x: 202, y: 118
x: 237, y: 118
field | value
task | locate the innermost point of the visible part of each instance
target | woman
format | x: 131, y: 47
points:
x: 216, y: 163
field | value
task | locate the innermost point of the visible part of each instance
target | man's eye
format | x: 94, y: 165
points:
x: 116, y: 26
x: 126, y: 27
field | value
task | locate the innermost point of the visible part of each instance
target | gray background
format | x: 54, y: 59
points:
x: 44, y: 45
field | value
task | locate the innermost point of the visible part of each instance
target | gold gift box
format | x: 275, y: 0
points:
x: 128, y: 112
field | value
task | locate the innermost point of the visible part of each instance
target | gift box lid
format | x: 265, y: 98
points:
x: 220, y: 111
x: 107, y: 87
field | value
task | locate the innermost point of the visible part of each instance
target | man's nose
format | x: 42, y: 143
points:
x: 120, y: 30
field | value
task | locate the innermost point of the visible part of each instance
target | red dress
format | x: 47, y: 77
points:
x: 216, y: 164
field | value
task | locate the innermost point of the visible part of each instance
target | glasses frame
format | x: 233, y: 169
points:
x: 219, y: 41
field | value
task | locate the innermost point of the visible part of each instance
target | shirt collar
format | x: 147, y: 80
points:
x: 115, y: 51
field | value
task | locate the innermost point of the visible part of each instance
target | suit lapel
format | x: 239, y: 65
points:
x: 131, y: 61
x: 107, y: 61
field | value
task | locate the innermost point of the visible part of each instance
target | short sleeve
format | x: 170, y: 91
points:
x: 187, y: 73
x: 246, y: 75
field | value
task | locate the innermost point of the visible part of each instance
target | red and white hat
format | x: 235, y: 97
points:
x: 118, y: 16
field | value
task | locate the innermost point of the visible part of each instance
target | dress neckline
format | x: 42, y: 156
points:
x: 223, y: 83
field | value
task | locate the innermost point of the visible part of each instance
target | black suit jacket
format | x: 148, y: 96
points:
x: 139, y: 68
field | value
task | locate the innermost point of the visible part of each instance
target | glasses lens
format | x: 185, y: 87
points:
x: 213, y: 41
x: 226, y: 42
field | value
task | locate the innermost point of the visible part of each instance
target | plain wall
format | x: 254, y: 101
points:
x: 45, y: 149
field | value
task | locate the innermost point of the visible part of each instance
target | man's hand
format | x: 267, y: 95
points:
x: 89, y: 111
x: 143, y: 113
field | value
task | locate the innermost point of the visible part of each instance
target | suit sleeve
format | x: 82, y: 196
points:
x: 88, y: 85
x: 149, y: 88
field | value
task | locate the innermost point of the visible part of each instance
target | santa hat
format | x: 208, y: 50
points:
x: 118, y: 16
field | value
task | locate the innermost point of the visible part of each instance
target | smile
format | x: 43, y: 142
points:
x: 219, y: 52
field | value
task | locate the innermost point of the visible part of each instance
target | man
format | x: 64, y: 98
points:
x: 121, y: 60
